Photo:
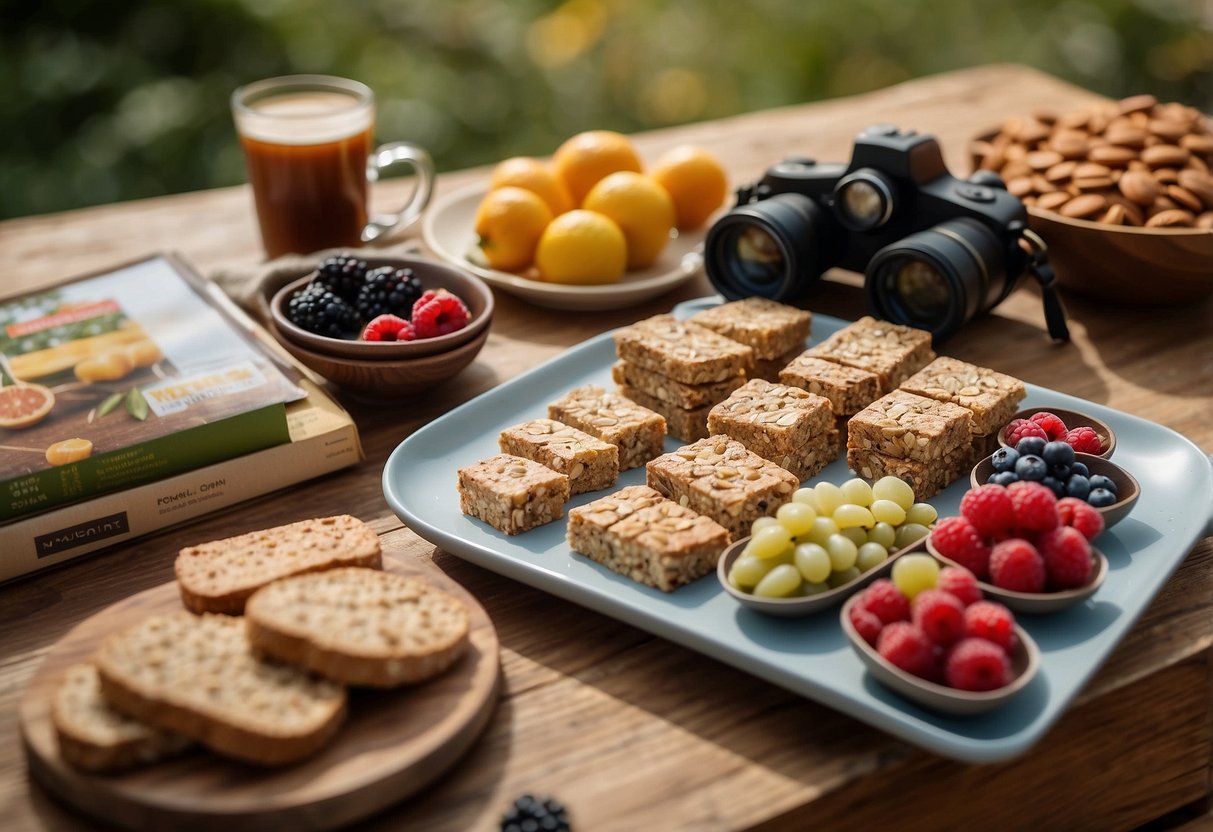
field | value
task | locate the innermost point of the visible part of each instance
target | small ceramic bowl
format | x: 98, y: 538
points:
x: 1073, y: 419
x: 473, y: 291
x: 808, y: 605
x: 1041, y: 603
x: 1025, y: 664
x: 1127, y: 488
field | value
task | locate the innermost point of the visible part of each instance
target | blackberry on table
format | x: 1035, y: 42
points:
x: 343, y: 274
x: 320, y: 310
x: 536, y: 814
x: 388, y: 291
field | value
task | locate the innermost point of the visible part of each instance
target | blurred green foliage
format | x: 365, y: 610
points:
x: 106, y: 101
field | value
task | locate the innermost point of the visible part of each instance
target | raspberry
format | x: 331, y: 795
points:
x: 1019, y: 428
x: 957, y: 540
x: 977, y: 664
x: 989, y: 509
x: 959, y: 582
x: 388, y: 328
x: 885, y: 601
x: 1067, y: 556
x: 1079, y: 514
x: 906, y: 646
x: 438, y: 313
x: 940, y: 615
x: 1035, y: 506
x: 1015, y: 564
x: 1084, y: 440
x: 865, y: 623
x: 993, y: 622
x: 1054, y: 428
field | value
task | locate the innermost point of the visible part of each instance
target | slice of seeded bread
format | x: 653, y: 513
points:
x: 196, y: 676
x: 95, y: 737
x: 359, y: 626
x: 221, y: 575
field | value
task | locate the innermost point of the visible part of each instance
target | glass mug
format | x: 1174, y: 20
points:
x: 307, y: 145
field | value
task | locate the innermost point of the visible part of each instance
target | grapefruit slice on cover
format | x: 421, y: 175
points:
x: 23, y: 405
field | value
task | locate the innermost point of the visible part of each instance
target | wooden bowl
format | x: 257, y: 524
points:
x: 1127, y: 488
x: 1025, y: 664
x: 473, y: 291
x: 1073, y: 419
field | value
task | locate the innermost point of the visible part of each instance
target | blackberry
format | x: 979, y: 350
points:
x: 388, y: 291
x: 534, y: 814
x: 320, y: 310
x: 344, y: 275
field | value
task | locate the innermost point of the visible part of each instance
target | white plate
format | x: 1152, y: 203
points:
x: 448, y: 231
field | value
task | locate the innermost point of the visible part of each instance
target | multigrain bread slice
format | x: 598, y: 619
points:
x: 197, y: 676
x: 359, y: 626
x: 94, y: 737
x: 221, y: 575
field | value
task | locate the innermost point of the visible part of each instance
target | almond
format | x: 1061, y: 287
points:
x: 1200, y: 184
x: 1042, y: 159
x: 1170, y: 130
x: 1052, y: 201
x: 1125, y: 134
x: 1061, y: 171
x: 1115, y: 215
x: 1170, y: 219
x: 1185, y: 198
x: 1164, y: 156
x: 1070, y: 144
x: 1084, y: 206
x: 1113, y: 155
x: 1167, y: 176
x: 1198, y: 143
x: 1139, y: 186
x: 1137, y: 103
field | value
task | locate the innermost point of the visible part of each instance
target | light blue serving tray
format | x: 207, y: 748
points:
x: 811, y: 656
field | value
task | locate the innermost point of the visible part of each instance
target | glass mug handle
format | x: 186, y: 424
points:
x: 423, y: 169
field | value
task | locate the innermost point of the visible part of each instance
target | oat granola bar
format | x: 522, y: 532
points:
x: 772, y: 329
x: 892, y: 351
x: 682, y: 350
x: 991, y: 397
x: 638, y: 432
x: 638, y: 533
x: 770, y: 368
x: 719, y: 477
x: 772, y: 420
x: 658, y: 386
x: 512, y: 494
x: 849, y: 389
x: 908, y: 426
x: 926, y: 479
x: 810, y: 459
x: 683, y: 424
x: 589, y: 463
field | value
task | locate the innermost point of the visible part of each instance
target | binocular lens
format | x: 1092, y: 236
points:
x: 920, y: 289
x: 755, y: 257
x: 767, y: 248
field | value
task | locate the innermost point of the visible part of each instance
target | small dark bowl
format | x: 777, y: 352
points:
x: 1073, y: 419
x: 1127, y: 489
x: 473, y: 291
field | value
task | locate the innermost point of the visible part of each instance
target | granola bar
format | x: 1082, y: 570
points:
x: 685, y: 424
x: 927, y: 480
x: 810, y: 459
x: 772, y: 329
x: 682, y: 350
x: 892, y: 351
x: 991, y: 397
x: 589, y: 463
x: 638, y: 432
x: 719, y: 477
x: 908, y: 426
x: 770, y: 368
x: 512, y: 494
x: 686, y: 396
x: 638, y: 533
x: 772, y: 420
x: 849, y: 389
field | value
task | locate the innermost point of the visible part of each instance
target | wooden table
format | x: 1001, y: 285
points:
x: 633, y: 732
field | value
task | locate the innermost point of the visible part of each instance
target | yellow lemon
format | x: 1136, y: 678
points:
x: 534, y: 176
x: 509, y: 223
x: 587, y: 157
x: 695, y: 180
x: 642, y: 209
x: 582, y: 247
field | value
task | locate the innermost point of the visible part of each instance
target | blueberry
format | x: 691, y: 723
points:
x: 1031, y: 467
x: 1033, y: 445
x: 1058, y: 453
x: 1055, y: 485
x: 1078, y: 486
x: 1062, y: 472
x: 1003, y: 478
x: 1004, y: 459
x: 1100, y: 481
x: 1100, y: 497
x: 1079, y: 469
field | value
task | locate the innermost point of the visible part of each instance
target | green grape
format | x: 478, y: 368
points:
x: 924, y: 514
x: 856, y: 534
x: 780, y: 582
x: 850, y: 515
x: 882, y: 533
x: 857, y: 492
x: 895, y: 489
x: 843, y: 552
x: 870, y: 554
x: 805, y: 496
x: 915, y: 572
x: 823, y: 527
x: 747, y: 571
x: 813, y: 562
x: 768, y: 542
x: 887, y: 511
x: 797, y: 518
x: 842, y: 578
x: 908, y: 534
x: 829, y: 497
x: 762, y: 523
x: 807, y: 590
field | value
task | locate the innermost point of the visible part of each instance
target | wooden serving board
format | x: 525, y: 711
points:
x: 393, y: 742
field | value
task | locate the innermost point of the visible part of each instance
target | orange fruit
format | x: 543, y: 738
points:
x: 509, y: 222
x: 532, y: 175
x: 642, y: 209
x: 582, y: 247
x: 23, y: 405
x: 66, y: 451
x: 695, y: 180
x: 587, y: 157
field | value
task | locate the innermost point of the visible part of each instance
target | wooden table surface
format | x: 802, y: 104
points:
x: 633, y: 732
